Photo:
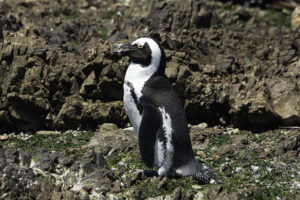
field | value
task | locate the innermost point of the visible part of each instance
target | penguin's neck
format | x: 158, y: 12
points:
x: 138, y: 75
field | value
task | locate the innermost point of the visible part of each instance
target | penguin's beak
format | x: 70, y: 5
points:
x: 122, y: 49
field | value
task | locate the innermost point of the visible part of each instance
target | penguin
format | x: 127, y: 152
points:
x: 156, y: 113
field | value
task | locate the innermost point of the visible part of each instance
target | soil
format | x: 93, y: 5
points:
x: 236, y: 69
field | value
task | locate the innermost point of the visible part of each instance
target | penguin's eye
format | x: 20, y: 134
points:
x: 139, y: 45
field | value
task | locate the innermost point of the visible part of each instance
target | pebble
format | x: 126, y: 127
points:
x: 254, y: 168
x: 44, y: 132
x: 177, y: 193
x: 163, y: 183
x: 107, y: 127
x: 199, y: 196
x: 201, y: 153
x: 128, y: 129
x: 232, y: 130
x: 295, y: 18
x: 3, y: 137
x: 202, y: 125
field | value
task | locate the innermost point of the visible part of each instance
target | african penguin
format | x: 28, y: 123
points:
x: 156, y: 113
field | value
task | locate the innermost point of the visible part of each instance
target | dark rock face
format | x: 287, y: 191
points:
x: 44, y: 87
x: 227, y: 67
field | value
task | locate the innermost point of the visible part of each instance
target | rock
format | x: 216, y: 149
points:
x: 295, y: 18
x: 44, y: 132
x: 202, y: 125
x: 199, y: 196
x: 56, y: 196
x: 232, y: 130
x: 240, y: 140
x: 163, y: 183
x: 4, y: 117
x: 88, y: 168
x: 3, y: 137
x: 11, y: 154
x: 3, y: 162
x: 66, y: 160
x: 172, y: 70
x: 227, y: 149
x: 214, y: 191
x: 119, y: 140
x: 25, y: 158
x: 117, y: 187
x: 177, y: 194
x: 45, y: 162
x: 77, y: 113
x: 201, y: 153
x: 234, y: 196
x: 88, y: 85
x: 62, y: 70
x: 108, y: 127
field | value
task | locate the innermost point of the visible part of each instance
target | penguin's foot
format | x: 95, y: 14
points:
x: 174, y: 175
x: 150, y: 173
x: 205, y: 177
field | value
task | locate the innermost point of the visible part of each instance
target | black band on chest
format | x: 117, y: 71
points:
x: 134, y: 97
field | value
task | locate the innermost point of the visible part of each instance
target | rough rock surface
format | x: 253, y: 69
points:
x: 227, y: 64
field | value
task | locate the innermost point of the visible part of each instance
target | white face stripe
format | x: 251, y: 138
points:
x: 137, y: 74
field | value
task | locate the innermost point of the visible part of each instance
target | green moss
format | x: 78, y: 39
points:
x: 258, y: 138
x: 76, y: 42
x: 277, y: 18
x: 69, y: 17
x: 59, y: 142
x: 110, y: 14
x: 102, y: 32
x: 219, y: 140
x: 226, y: 6
x: 131, y: 160
x: 272, y: 179
x: 134, y: 10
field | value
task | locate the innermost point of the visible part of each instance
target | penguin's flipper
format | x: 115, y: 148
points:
x: 150, y: 125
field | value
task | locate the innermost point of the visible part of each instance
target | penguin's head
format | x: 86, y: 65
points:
x: 144, y: 51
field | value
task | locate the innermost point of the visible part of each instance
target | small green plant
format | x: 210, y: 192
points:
x: 110, y: 14
x: 277, y: 18
x: 69, y: 17
x: 102, y: 32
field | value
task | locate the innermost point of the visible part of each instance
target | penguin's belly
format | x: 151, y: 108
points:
x: 159, y: 153
x: 131, y: 107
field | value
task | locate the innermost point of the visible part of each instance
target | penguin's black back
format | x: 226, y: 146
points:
x: 158, y: 91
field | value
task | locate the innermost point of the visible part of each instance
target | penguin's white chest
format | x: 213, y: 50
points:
x: 131, y: 107
x: 135, y: 78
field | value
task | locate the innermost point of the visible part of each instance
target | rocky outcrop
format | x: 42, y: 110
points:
x: 227, y: 66
x: 243, y: 76
x: 43, y: 86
